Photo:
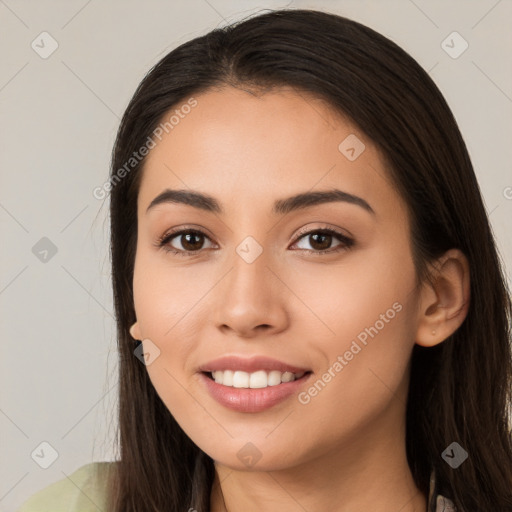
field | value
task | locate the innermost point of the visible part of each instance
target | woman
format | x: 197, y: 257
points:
x: 311, y: 311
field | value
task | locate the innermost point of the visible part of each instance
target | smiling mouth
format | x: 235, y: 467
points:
x: 254, y: 380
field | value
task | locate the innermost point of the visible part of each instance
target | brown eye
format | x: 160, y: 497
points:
x: 184, y: 242
x: 191, y: 241
x: 321, y: 239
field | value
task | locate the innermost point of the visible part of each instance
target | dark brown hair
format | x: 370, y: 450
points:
x: 460, y: 389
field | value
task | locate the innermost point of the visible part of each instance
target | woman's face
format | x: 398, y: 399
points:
x: 261, y: 279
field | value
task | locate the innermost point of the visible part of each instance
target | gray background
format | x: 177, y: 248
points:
x: 58, y: 119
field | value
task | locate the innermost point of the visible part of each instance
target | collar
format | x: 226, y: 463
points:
x: 436, y: 502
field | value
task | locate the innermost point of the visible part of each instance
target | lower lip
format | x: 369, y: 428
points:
x: 252, y: 399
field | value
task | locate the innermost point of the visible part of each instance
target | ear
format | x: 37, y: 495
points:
x: 444, y: 301
x: 135, y: 331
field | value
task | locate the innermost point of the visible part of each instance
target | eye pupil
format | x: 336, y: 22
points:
x: 325, y: 237
x: 187, y: 245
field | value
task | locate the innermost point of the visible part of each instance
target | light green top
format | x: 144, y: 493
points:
x: 82, y: 491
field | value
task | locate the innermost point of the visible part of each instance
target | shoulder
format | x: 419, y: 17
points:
x: 82, y: 491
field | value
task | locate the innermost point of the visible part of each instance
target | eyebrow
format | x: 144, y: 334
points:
x: 281, y: 206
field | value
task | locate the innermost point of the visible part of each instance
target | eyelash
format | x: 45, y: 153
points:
x: 346, y: 242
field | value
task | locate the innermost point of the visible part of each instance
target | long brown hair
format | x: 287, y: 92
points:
x: 460, y: 390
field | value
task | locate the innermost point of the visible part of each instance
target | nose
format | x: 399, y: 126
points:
x: 251, y: 299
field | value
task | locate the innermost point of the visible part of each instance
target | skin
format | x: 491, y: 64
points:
x: 345, y: 449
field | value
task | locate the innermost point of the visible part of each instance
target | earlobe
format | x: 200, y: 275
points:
x: 444, y: 301
x: 135, y: 331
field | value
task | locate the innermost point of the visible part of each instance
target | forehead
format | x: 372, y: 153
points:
x: 248, y: 149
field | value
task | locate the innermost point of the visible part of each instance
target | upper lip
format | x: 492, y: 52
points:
x: 249, y: 364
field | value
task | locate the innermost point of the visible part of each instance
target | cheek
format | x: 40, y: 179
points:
x: 169, y: 312
x: 166, y: 295
x: 370, y: 296
x: 372, y: 327
x: 365, y: 379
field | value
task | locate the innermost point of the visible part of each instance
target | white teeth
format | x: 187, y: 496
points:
x: 240, y: 380
x: 259, y: 379
x: 287, y: 377
x: 227, y: 378
x: 274, y: 378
